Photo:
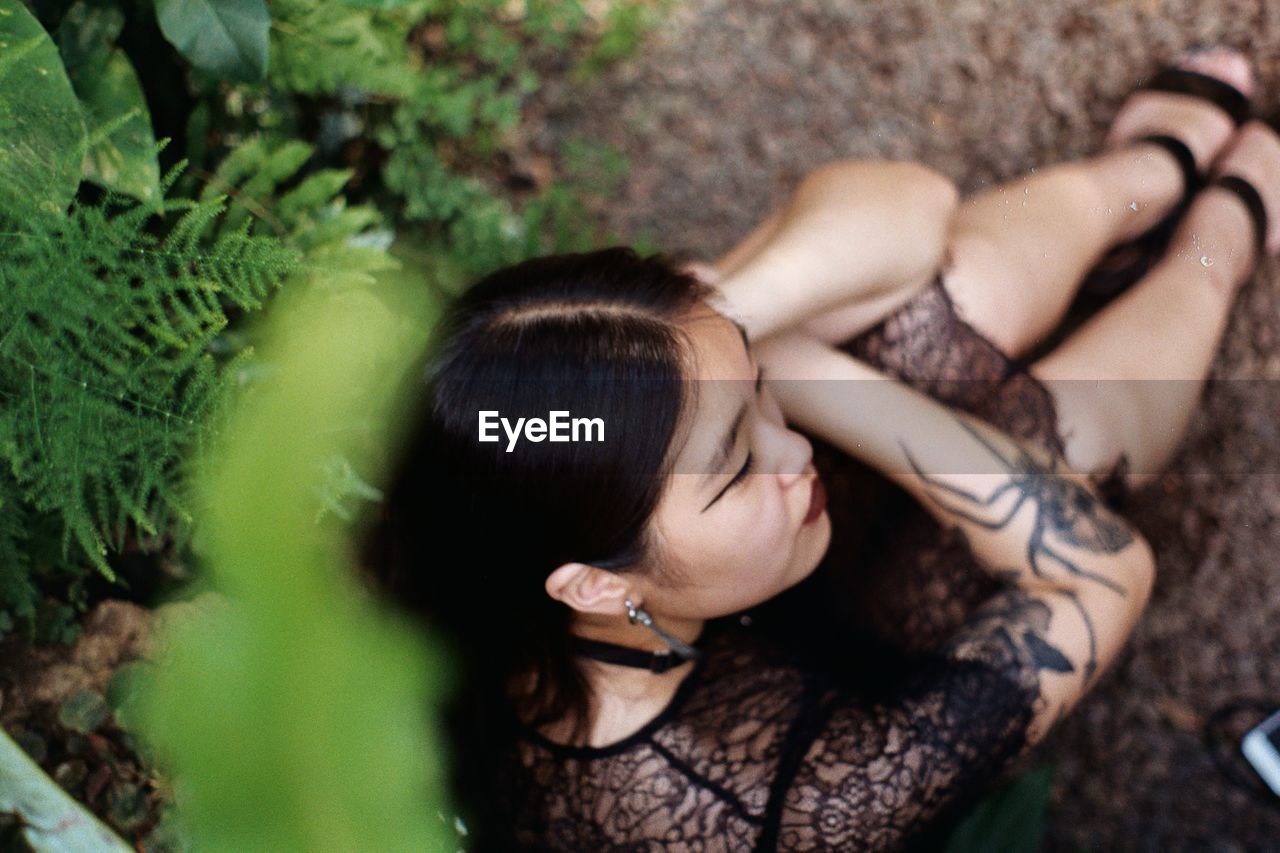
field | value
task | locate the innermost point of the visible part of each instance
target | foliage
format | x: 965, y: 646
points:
x: 321, y: 149
x: 110, y: 386
x: 40, y: 120
x: 108, y: 373
x: 227, y: 38
x: 365, y: 46
x: 123, y: 153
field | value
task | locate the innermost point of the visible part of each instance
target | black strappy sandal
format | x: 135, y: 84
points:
x: 1130, y: 261
x: 1253, y: 201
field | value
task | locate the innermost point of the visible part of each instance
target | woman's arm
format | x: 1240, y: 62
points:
x: 1080, y: 574
x: 854, y: 240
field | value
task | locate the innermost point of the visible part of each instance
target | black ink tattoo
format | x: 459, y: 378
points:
x: 1008, y: 632
x: 1063, y: 507
x: 1019, y: 621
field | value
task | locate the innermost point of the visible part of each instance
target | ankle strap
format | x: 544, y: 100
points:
x: 1221, y: 94
x: 1253, y: 201
x: 1186, y: 162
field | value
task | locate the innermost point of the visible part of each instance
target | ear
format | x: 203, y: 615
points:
x: 588, y: 589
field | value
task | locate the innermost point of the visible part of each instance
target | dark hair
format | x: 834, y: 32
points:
x: 468, y: 532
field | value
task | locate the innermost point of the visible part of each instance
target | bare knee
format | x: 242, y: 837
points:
x: 1013, y: 262
x: 840, y: 178
x: 983, y: 282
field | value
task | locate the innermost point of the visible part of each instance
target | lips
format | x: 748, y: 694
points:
x: 817, y: 501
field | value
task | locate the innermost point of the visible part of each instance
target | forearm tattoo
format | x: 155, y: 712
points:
x: 1064, y: 508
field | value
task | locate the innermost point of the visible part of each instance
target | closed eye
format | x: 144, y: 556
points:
x: 747, y: 466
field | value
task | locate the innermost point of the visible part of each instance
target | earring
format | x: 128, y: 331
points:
x: 636, y: 615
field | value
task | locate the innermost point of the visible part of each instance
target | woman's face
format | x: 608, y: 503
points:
x: 731, y: 540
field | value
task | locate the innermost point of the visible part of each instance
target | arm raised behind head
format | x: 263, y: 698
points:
x: 1080, y: 575
x: 855, y: 239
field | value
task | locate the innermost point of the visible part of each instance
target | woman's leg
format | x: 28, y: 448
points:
x: 1159, y: 338
x: 1020, y: 249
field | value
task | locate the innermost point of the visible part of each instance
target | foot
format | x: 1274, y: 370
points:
x: 1201, y: 125
x: 1254, y: 155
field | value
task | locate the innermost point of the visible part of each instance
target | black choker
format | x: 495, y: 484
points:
x: 658, y: 662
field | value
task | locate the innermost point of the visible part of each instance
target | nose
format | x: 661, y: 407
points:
x: 790, y: 453
x: 793, y: 453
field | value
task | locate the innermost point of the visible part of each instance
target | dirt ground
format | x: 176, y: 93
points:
x: 731, y: 102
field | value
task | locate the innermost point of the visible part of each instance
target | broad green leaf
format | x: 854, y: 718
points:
x: 122, y: 146
x: 227, y: 38
x: 125, y: 159
x: 42, y: 138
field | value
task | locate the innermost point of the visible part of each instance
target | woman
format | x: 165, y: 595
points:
x: 612, y: 690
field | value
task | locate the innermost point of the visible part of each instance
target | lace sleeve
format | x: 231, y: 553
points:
x: 877, y: 772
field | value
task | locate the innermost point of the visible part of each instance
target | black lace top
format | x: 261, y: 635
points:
x: 756, y: 751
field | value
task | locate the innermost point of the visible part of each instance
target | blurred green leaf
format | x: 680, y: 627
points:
x: 32, y: 744
x: 42, y: 137
x: 56, y: 623
x: 126, y: 806
x: 227, y: 38
x: 327, y: 699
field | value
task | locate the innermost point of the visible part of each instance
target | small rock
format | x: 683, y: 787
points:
x: 70, y: 774
x: 84, y: 711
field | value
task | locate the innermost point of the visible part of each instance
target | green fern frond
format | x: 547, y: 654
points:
x: 339, y: 243
x: 105, y: 364
x: 313, y: 193
x: 317, y: 46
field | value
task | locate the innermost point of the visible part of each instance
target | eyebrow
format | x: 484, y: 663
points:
x: 716, y: 466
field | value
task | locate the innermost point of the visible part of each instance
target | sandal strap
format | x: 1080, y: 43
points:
x: 1253, y: 201
x: 1186, y: 161
x: 1222, y: 95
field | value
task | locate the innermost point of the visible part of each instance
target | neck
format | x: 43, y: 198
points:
x: 612, y: 629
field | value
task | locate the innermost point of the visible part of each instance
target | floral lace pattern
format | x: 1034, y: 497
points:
x: 756, y: 752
